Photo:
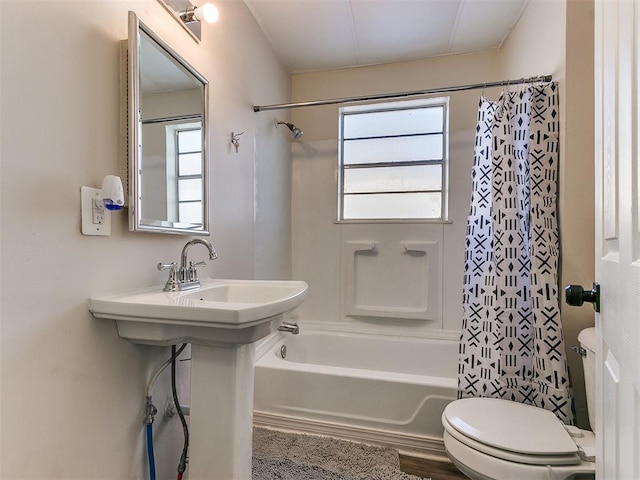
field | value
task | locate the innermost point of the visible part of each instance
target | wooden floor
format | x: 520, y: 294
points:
x: 430, y: 469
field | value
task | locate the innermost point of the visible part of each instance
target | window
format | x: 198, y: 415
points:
x: 393, y: 161
x: 184, y: 172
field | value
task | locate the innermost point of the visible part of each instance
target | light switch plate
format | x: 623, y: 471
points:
x: 94, y: 223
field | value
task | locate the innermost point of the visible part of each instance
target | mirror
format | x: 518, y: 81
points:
x: 167, y: 103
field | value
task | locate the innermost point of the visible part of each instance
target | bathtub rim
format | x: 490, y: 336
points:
x: 341, y: 329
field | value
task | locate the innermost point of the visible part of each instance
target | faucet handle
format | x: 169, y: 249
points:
x: 193, y: 272
x: 172, y: 282
x: 166, y: 266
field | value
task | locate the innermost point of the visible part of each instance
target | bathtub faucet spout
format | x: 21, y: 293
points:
x: 289, y: 327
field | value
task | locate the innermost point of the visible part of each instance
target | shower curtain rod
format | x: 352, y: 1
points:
x: 459, y: 88
x: 178, y: 118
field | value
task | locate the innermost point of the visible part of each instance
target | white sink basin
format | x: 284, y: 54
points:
x: 219, y: 313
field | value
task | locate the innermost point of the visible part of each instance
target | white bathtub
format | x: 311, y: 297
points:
x: 384, y: 390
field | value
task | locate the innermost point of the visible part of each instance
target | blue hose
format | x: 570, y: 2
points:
x: 152, y: 462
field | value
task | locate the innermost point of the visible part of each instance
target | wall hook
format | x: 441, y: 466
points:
x: 235, y: 140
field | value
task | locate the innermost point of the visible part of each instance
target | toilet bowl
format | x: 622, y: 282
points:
x: 495, y: 439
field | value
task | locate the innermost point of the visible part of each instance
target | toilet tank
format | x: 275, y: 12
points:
x: 587, y: 339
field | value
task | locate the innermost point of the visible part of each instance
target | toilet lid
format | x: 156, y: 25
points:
x: 555, y: 460
x: 510, y: 426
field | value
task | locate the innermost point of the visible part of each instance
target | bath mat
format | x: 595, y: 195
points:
x: 289, y: 456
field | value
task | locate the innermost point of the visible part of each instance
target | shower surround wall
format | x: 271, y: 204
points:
x: 322, y: 249
x: 72, y: 392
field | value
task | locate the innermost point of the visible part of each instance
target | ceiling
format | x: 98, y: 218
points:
x: 312, y: 35
x: 160, y: 72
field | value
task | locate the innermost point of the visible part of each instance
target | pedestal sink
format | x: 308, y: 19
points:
x: 221, y: 319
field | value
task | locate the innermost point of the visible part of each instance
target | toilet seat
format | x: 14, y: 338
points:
x: 509, y: 456
x: 480, y: 466
x: 511, y: 431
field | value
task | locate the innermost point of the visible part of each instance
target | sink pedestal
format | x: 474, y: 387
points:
x: 221, y: 414
x: 221, y: 319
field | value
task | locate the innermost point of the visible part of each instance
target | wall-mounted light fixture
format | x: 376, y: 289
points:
x: 190, y: 16
x: 296, y: 133
x: 206, y: 13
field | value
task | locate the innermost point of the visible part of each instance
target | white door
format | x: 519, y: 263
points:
x: 617, y: 144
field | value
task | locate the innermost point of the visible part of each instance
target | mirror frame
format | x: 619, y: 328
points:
x: 134, y: 135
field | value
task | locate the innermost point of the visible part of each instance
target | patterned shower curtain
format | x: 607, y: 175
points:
x: 511, y: 344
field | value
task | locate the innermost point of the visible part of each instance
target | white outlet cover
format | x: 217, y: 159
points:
x: 88, y: 194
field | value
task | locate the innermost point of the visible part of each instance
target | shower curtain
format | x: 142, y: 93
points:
x: 511, y: 344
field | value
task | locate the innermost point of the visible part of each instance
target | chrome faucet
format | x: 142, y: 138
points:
x: 185, y: 277
x: 289, y: 328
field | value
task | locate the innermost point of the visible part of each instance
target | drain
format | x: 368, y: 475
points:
x: 283, y: 351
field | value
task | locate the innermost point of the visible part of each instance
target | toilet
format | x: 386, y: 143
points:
x: 495, y: 439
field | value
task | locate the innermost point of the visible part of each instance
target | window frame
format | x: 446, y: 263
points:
x: 173, y: 166
x: 444, y: 162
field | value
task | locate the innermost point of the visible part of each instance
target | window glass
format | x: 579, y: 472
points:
x: 409, y: 178
x: 393, y: 161
x: 190, y: 140
x: 189, y: 189
x: 393, y: 149
x: 190, y: 212
x: 393, y: 206
x: 399, y: 121
x: 190, y: 164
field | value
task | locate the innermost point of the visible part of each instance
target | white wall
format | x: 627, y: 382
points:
x: 317, y: 240
x: 564, y: 48
x: 72, y: 391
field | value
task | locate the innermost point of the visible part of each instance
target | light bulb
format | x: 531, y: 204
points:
x: 208, y: 12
